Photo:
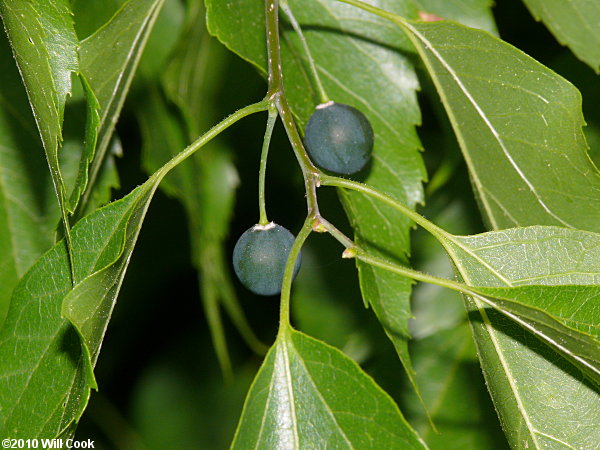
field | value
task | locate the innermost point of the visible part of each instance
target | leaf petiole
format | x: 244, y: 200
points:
x: 440, y: 234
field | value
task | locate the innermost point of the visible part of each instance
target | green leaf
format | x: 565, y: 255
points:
x: 37, y: 343
x: 360, y: 62
x: 45, y: 46
x: 309, y: 395
x: 166, y: 34
x: 558, y: 332
x: 188, y: 80
x: 531, y: 255
x: 527, y: 379
x: 89, y: 148
x: 513, y: 117
x: 442, y: 349
x: 108, y: 178
x: 92, y: 14
x: 381, y: 83
x: 109, y: 59
x: 28, y: 213
x: 574, y: 23
x: 575, y: 306
x: 519, y: 127
x: 89, y: 305
x: 240, y: 26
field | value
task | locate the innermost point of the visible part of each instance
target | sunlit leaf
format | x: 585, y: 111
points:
x: 89, y: 147
x: 519, y: 126
x: 576, y: 340
x: 28, y: 211
x: 518, y: 365
x: 309, y: 395
x: 37, y: 343
x: 45, y: 47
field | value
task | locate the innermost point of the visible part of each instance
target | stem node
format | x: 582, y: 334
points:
x: 349, y: 253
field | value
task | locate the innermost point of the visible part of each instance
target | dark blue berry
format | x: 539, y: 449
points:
x: 260, y: 255
x: 339, y: 138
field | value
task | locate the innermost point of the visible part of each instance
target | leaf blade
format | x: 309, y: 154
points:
x: 536, y: 124
x: 28, y: 214
x: 45, y: 44
x: 522, y: 406
x: 37, y: 343
x: 579, y: 347
x: 109, y: 60
x: 298, y: 404
x: 513, y: 360
x: 574, y: 24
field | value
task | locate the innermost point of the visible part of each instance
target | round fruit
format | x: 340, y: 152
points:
x: 260, y: 255
x: 339, y: 138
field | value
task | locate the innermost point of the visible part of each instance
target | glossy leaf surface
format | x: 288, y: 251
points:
x: 28, y: 208
x: 37, y: 343
x: 45, y: 47
x: 309, y: 395
x: 512, y: 117
x: 575, y: 340
x: 537, y: 124
x: 529, y: 380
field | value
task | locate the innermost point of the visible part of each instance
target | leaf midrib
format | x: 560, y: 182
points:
x: 318, y: 393
x: 429, y: 46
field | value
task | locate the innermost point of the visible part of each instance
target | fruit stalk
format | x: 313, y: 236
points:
x: 288, y: 275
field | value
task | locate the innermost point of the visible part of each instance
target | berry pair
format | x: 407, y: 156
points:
x: 338, y: 138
